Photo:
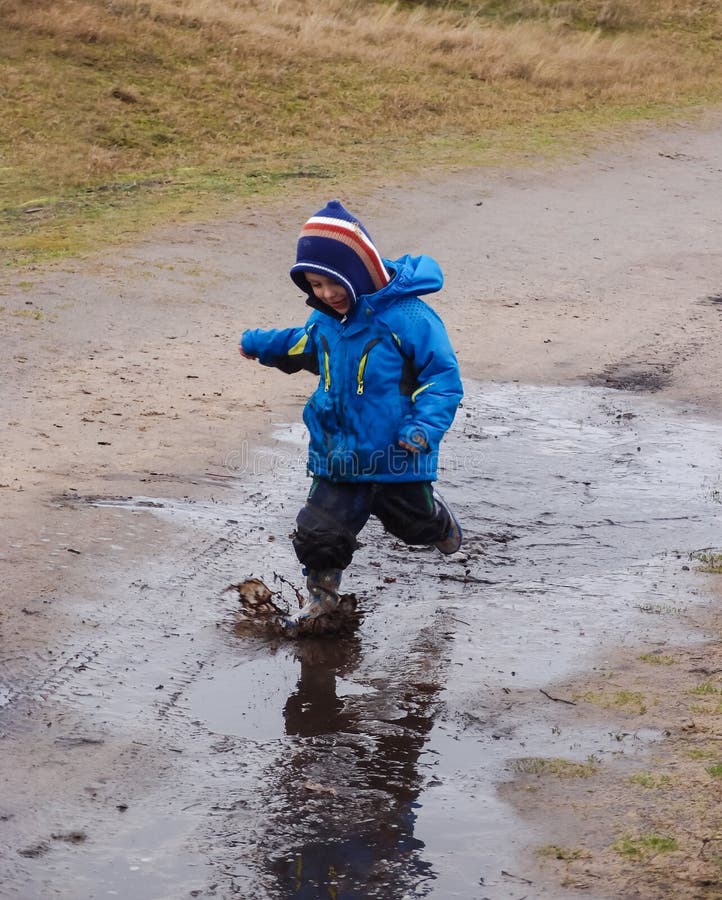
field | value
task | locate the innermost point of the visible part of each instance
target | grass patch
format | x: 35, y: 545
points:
x: 706, y: 709
x: 654, y: 831
x: 658, y: 659
x: 706, y: 688
x: 562, y: 768
x: 650, y: 780
x: 608, y: 15
x: 645, y: 845
x: 122, y: 114
x: 660, y: 609
x: 35, y: 314
x: 709, y: 752
x: 710, y: 562
x: 629, y: 701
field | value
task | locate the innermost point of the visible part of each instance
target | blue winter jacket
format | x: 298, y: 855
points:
x: 387, y: 373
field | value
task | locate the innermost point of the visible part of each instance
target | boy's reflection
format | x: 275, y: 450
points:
x: 314, y: 707
x: 352, y: 782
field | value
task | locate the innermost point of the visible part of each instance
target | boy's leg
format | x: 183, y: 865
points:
x: 325, y: 540
x: 413, y: 512
x: 327, y: 525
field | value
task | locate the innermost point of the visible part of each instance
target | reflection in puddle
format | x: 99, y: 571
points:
x: 346, y: 783
x: 369, y: 767
x: 351, y: 781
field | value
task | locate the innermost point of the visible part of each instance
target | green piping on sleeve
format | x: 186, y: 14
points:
x: 419, y: 390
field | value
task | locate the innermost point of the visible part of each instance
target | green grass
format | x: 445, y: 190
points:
x: 700, y: 753
x: 706, y: 688
x: 34, y: 314
x: 563, y: 768
x: 628, y: 701
x: 609, y: 15
x: 711, y: 562
x: 645, y: 845
x: 658, y: 659
x: 660, y: 609
x: 123, y: 114
x: 650, y: 780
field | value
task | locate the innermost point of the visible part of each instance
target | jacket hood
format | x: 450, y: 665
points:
x: 411, y: 275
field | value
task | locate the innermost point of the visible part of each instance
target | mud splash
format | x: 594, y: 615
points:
x: 367, y: 766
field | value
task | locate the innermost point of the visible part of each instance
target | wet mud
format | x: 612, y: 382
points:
x: 160, y: 745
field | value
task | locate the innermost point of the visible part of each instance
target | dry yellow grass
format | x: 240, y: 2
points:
x: 164, y: 99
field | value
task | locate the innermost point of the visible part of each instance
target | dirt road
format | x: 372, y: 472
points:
x: 155, y: 747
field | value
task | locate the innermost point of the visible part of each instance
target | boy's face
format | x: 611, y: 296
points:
x: 329, y: 292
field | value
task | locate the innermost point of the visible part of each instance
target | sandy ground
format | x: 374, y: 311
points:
x: 121, y: 379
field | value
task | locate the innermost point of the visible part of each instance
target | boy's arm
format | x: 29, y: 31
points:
x: 439, y: 389
x: 287, y: 349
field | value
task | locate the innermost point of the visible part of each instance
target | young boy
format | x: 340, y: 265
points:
x: 388, y: 391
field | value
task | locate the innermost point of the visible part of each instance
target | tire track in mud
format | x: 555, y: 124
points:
x: 20, y: 692
x: 158, y: 607
x: 105, y: 691
x: 108, y: 698
x: 17, y: 699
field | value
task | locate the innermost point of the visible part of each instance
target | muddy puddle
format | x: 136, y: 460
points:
x: 236, y: 763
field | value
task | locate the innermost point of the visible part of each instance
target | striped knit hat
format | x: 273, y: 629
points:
x: 334, y: 243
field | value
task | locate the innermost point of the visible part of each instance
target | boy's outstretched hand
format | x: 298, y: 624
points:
x: 244, y: 354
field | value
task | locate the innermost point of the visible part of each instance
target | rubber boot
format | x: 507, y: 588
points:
x: 323, y: 596
x: 451, y: 542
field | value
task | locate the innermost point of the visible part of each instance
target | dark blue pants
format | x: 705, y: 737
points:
x: 335, y: 512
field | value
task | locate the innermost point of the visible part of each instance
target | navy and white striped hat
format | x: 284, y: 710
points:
x: 334, y: 243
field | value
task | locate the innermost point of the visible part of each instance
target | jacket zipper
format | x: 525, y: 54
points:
x: 362, y: 365
x: 326, y: 365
